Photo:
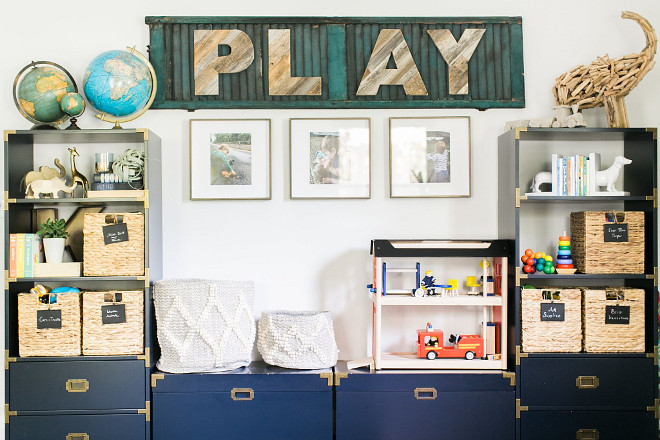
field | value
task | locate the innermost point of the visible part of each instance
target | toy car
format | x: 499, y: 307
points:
x: 429, y: 345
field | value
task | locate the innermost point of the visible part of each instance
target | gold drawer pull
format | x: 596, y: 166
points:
x: 77, y: 385
x: 587, y: 434
x: 77, y: 436
x: 587, y: 383
x: 235, y: 391
x: 423, y: 393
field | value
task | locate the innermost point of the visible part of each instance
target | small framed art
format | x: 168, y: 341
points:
x: 430, y: 157
x: 230, y: 159
x: 330, y: 158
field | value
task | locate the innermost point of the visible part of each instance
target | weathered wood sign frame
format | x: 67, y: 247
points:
x: 337, y: 62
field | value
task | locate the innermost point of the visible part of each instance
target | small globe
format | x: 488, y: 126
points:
x: 72, y: 104
x: 38, y: 90
x: 119, y: 83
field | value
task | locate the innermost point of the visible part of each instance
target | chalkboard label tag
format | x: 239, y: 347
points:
x: 617, y: 315
x: 615, y: 232
x: 114, y: 314
x: 49, y: 319
x: 552, y: 312
x: 115, y: 233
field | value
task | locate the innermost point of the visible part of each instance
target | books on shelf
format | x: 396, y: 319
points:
x: 570, y: 175
x: 25, y: 250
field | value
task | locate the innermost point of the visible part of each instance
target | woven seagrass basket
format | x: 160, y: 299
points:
x: 125, y: 258
x: 113, y: 338
x: 603, y: 337
x: 592, y: 254
x: 64, y: 341
x: 551, y: 336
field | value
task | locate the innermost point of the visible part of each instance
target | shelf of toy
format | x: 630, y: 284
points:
x: 76, y: 201
x: 585, y: 276
x: 440, y: 248
x: 595, y: 198
x: 460, y: 300
x: 411, y: 361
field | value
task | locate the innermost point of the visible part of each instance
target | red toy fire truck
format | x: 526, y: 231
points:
x: 429, y: 345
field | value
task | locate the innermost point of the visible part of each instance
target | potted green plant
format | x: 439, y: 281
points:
x: 54, y: 236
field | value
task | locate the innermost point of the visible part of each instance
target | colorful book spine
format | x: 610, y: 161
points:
x: 20, y: 255
x: 12, y: 255
x: 27, y: 256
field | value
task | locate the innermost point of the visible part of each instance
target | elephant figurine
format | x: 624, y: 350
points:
x: 48, y: 186
x: 44, y: 173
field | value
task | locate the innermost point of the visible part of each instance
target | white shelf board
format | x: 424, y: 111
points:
x: 410, y: 360
x: 460, y: 300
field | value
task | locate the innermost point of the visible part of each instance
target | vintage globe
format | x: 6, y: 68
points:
x: 120, y: 84
x: 38, y: 89
x: 72, y: 104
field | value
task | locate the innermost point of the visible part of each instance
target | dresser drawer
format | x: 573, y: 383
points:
x: 587, y: 425
x: 75, y: 427
x: 587, y: 382
x: 77, y: 385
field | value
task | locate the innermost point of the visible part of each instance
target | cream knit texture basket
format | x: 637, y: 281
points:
x: 302, y: 340
x: 204, y: 325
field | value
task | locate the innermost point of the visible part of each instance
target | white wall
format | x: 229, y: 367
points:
x: 302, y: 254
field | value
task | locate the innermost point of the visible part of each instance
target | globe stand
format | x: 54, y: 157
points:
x: 73, y: 125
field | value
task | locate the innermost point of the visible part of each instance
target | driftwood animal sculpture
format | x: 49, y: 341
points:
x: 75, y: 175
x: 607, y: 81
x: 44, y: 173
x: 48, y: 186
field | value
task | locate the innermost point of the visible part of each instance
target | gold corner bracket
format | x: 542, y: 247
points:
x: 9, y: 413
x: 655, y: 408
x: 519, y: 198
x: 328, y: 377
x: 519, y: 130
x: 654, y: 197
x: 144, y: 131
x: 145, y: 357
x: 511, y: 376
x: 520, y: 354
x: 7, y: 133
x: 144, y: 199
x: 339, y: 376
x: 146, y: 411
x: 156, y: 377
x: 8, y: 359
x: 520, y: 276
x: 654, y: 131
x: 654, y: 355
x: 520, y: 408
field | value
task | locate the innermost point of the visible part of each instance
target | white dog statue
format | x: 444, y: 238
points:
x: 609, y: 176
x: 540, y: 178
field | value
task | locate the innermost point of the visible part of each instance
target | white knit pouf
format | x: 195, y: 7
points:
x: 204, y: 325
x: 303, y: 340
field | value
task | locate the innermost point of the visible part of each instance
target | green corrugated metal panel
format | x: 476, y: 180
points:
x: 338, y: 49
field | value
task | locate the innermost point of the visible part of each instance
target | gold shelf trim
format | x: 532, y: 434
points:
x: 654, y: 197
x: 9, y: 413
x: 519, y: 197
x: 7, y: 133
x: 146, y: 411
x: 655, y: 408
x: 328, y: 377
x: 8, y: 359
x: 156, y: 377
x: 653, y: 355
x: 511, y: 376
x: 519, y: 354
x: 653, y: 130
x: 339, y: 376
x: 145, y: 357
x: 519, y: 130
x: 520, y: 408
x: 144, y: 131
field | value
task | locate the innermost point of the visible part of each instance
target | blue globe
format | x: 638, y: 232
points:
x: 118, y: 83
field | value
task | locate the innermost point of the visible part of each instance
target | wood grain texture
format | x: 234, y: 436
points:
x: 457, y: 55
x: 280, y: 81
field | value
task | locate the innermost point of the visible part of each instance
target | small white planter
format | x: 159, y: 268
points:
x: 54, y: 249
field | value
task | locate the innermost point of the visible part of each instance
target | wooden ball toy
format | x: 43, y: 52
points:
x: 529, y: 252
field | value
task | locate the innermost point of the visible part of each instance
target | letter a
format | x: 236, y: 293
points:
x: 390, y: 42
x: 280, y: 81
x: 207, y: 62
x: 457, y: 55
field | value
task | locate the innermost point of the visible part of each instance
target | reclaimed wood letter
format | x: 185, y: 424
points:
x: 390, y: 42
x: 280, y: 81
x: 457, y: 55
x: 207, y: 62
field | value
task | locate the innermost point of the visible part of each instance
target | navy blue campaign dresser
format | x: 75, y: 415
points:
x: 254, y: 402
x: 424, y: 404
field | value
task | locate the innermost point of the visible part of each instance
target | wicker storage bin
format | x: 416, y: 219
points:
x: 601, y: 336
x: 551, y: 336
x: 112, y: 338
x: 64, y: 341
x: 124, y: 258
x: 592, y: 254
x: 303, y: 340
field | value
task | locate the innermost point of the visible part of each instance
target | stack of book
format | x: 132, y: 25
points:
x: 574, y: 175
x: 25, y: 250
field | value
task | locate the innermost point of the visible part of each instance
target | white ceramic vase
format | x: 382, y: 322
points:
x: 54, y: 249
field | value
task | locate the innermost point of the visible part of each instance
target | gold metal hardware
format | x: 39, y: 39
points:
x: 144, y: 277
x: 520, y: 408
x: 155, y: 377
x: 653, y: 355
x: 339, y: 377
x: 518, y: 130
x: 146, y: 411
x: 144, y: 198
x: 77, y: 436
x: 8, y: 359
x: 519, y: 355
x: 145, y: 357
x: 7, y: 133
x: 77, y: 385
x: 519, y: 197
x: 654, y: 197
x: 587, y: 382
x: 145, y: 133
x: 511, y: 376
x: 420, y: 393
x: 328, y: 377
x: 236, y: 391
x: 9, y: 413
x: 520, y: 276
x: 655, y: 409
x: 653, y: 130
x: 587, y: 434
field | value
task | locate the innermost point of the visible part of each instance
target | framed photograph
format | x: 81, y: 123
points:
x: 430, y: 157
x: 230, y: 159
x: 330, y: 158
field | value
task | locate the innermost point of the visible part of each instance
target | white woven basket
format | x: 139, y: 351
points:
x: 204, y: 325
x: 303, y: 340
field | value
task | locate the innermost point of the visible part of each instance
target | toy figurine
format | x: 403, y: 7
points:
x: 428, y: 283
x: 609, y: 176
x: 467, y: 346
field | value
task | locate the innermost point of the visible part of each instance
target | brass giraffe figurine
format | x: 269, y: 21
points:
x: 76, y: 176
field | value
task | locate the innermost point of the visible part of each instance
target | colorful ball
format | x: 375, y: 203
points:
x: 549, y: 269
x: 527, y: 268
x: 529, y: 252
